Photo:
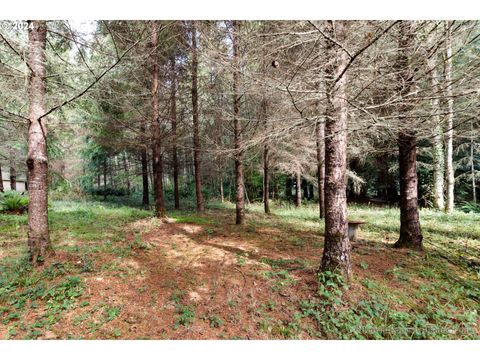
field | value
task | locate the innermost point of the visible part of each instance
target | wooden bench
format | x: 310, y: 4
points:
x: 353, y: 226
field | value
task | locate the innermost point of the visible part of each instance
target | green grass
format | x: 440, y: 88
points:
x: 456, y: 234
x: 81, y: 228
x: 421, y: 297
x: 444, y: 306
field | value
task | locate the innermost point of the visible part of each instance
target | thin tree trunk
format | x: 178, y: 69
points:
x: 274, y: 186
x: 196, y: 125
x: 173, y: 110
x: 450, y: 174
x: 157, y: 141
x: 246, y: 195
x: 105, y: 179
x: 336, y: 252
x: 222, y: 197
x: 320, y: 139
x: 144, y: 160
x: 127, y: 175
x: 288, y: 188
x: 266, y: 150
x: 437, y: 150
x: 1, y: 179
x: 113, y: 165
x: 150, y: 168
x: 306, y: 193
x: 37, y: 157
x: 298, y: 189
x: 472, y: 168
x: 237, y: 141
x: 410, y: 230
x: 13, y: 170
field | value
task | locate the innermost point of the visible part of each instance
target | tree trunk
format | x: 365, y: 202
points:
x: 450, y: 174
x: 410, y: 230
x: 13, y: 170
x: 37, y: 157
x: 310, y: 192
x: 105, y: 179
x: 437, y: 150
x: 222, y: 198
x: 237, y: 137
x: 266, y: 150
x: 173, y: 111
x: 472, y: 168
x: 385, y: 184
x: 127, y: 176
x: 144, y: 160
x: 150, y: 169
x: 157, y: 140
x: 288, y: 188
x: 1, y: 179
x: 336, y: 252
x: 298, y: 189
x: 320, y: 139
x: 266, y: 175
x: 196, y: 125
x: 305, y: 194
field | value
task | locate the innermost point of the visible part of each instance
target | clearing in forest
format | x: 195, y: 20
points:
x: 120, y: 273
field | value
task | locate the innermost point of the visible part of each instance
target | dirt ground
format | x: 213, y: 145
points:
x: 188, y: 281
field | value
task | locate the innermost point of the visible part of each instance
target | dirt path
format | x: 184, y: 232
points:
x: 189, y: 282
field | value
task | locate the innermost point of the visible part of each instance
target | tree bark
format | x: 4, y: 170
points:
x: 37, y: 157
x: 1, y: 179
x: 144, y: 160
x: 320, y: 140
x: 472, y: 168
x: 266, y: 147
x: 157, y: 140
x: 173, y: 111
x: 450, y: 174
x: 437, y: 148
x: 266, y: 150
x: 237, y: 137
x: 13, y: 170
x: 410, y: 230
x: 222, y: 197
x: 196, y: 125
x: 298, y: 189
x: 336, y: 252
x: 105, y: 179
x: 127, y: 175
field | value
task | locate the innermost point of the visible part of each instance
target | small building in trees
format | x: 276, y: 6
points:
x: 21, y: 182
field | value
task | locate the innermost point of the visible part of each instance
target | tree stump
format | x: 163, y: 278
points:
x: 353, y: 226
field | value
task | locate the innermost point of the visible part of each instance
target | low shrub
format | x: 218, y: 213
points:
x: 13, y: 202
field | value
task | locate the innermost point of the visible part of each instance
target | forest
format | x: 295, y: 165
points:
x: 270, y: 179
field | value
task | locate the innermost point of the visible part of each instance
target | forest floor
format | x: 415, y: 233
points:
x: 119, y: 273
